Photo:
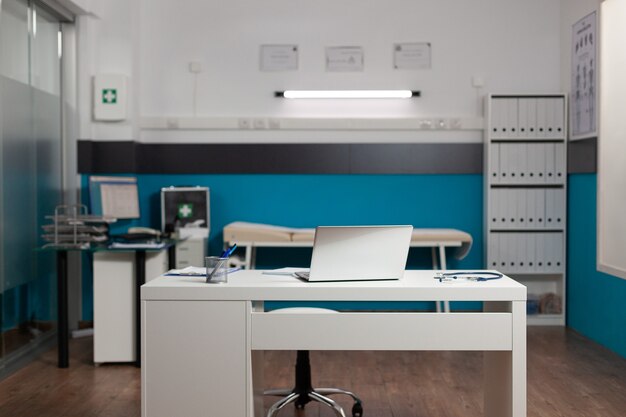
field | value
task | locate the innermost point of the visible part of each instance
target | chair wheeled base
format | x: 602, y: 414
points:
x: 304, y: 392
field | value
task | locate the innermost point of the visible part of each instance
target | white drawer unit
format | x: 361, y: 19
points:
x: 526, y: 197
x: 114, y: 299
x: 191, y: 252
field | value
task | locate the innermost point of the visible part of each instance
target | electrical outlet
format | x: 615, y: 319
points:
x: 274, y: 123
x: 244, y: 123
x: 478, y: 81
x: 455, y: 123
x: 172, y: 123
x: 195, y: 67
x: 259, y: 123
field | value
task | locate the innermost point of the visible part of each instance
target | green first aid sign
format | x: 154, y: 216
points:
x: 109, y: 95
x: 185, y: 211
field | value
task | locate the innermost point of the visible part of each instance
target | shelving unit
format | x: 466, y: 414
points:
x: 526, y: 198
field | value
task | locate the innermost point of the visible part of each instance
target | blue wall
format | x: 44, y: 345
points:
x: 596, y: 302
x: 448, y: 201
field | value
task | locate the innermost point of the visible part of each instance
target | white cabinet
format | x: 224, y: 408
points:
x: 114, y: 307
x: 195, y: 360
x: 191, y: 252
x: 525, y: 197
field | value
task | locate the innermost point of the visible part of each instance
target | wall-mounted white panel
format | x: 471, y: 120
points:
x: 612, y: 140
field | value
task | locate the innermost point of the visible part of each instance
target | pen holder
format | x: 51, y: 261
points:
x: 216, y: 269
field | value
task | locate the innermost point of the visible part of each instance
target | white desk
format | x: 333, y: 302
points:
x: 202, y: 343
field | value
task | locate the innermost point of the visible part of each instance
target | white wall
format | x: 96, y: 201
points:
x: 514, y: 45
x: 108, y: 43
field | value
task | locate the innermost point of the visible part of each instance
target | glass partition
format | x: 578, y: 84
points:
x: 30, y: 171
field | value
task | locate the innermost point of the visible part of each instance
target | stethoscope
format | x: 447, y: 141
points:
x: 477, y: 276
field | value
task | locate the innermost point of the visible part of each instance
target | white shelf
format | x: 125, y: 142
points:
x: 526, y: 184
x: 545, y: 320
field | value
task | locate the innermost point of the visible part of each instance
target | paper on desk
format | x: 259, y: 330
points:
x: 284, y: 271
x: 194, y: 271
x: 150, y: 245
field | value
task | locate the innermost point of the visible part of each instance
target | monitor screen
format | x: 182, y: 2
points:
x: 114, y: 196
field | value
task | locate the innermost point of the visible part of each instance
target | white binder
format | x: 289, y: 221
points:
x: 512, y: 118
x: 532, y: 118
x: 559, y: 111
x: 540, y: 155
x: 494, y: 203
x: 513, y: 158
x: 550, y: 118
x: 496, y: 118
x: 501, y: 242
x: 530, y: 208
x: 532, y: 162
x: 556, y: 253
x: 560, y: 255
x: 504, y: 163
x: 550, y: 209
x: 560, y: 163
x: 522, y: 262
x: 505, y: 208
x: 541, y: 118
x: 504, y: 117
x: 494, y: 162
x: 540, y: 252
x: 492, y: 259
x: 522, y: 216
x: 512, y: 213
x: 508, y: 251
x: 551, y: 251
x: 559, y: 207
x: 522, y: 119
x: 504, y: 261
x: 530, y: 252
x: 550, y: 171
x: 522, y: 154
x: 541, y: 209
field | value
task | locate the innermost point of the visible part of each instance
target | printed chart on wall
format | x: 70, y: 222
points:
x: 583, y: 114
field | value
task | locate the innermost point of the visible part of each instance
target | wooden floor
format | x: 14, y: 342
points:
x: 568, y: 376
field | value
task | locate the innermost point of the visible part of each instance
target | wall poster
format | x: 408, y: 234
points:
x: 584, y: 70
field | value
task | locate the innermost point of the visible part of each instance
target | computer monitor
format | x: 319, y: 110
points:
x: 114, y: 196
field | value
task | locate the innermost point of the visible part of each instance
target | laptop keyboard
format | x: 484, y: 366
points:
x: 302, y: 274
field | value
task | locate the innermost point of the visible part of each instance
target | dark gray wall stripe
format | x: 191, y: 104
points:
x: 100, y: 157
x: 423, y: 158
x: 582, y: 156
x: 106, y: 157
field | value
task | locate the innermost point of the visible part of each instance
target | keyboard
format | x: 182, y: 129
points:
x: 302, y: 274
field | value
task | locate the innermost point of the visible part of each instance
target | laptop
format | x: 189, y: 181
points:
x: 358, y: 253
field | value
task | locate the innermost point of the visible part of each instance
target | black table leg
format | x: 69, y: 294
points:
x: 140, y: 279
x: 62, y: 319
x: 171, y: 257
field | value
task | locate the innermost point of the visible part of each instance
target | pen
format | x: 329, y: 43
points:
x: 228, y: 252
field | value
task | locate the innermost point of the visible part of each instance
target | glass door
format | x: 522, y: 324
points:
x: 30, y: 171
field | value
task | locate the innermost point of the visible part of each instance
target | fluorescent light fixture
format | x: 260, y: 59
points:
x: 347, y: 94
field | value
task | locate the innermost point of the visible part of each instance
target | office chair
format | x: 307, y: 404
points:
x: 303, y: 392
